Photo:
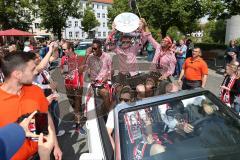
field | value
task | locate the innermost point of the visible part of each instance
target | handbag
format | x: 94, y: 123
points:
x: 72, y: 79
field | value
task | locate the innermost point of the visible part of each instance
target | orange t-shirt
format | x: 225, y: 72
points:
x: 14, y: 106
x: 194, y: 70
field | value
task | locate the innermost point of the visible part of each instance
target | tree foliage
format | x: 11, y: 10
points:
x: 223, y: 9
x: 214, y: 32
x: 54, y: 14
x: 89, y: 20
x: 15, y: 14
x: 164, y: 14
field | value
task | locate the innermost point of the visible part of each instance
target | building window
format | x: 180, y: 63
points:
x: 99, y: 34
x: 102, y: 6
x: 104, y: 34
x: 69, y: 23
x: 103, y: 15
x: 92, y: 5
x: 98, y: 15
x: 104, y: 24
x: 83, y: 35
x: 76, y: 23
x: 70, y: 34
x: 37, y: 25
x: 97, y: 6
x: 76, y: 34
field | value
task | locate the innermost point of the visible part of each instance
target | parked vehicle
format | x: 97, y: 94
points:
x: 82, y: 47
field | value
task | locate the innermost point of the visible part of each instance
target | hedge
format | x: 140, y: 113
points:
x: 210, y: 46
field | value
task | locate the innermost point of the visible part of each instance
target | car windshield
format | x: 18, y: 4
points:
x: 83, y: 46
x: 190, y: 128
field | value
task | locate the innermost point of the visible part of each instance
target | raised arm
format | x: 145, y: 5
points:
x: 44, y: 62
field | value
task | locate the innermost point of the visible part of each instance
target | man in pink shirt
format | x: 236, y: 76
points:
x: 127, y: 52
x: 99, y: 66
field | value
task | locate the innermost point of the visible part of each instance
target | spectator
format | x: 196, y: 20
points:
x: 195, y: 71
x: 44, y: 50
x: 180, y: 52
x: 234, y: 58
x: 190, y: 47
x: 12, y: 47
x: 19, y: 71
x: 230, y: 85
x: 231, y: 50
x: 236, y: 103
x: 9, y: 142
x: 150, y: 52
x: 70, y: 65
x: 44, y: 81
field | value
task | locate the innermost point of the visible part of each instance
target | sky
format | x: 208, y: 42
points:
x: 204, y: 20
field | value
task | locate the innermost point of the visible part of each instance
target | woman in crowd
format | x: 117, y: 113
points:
x: 230, y: 85
x: 236, y: 103
x: 231, y: 51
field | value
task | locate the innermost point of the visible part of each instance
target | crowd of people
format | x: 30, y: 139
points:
x: 25, y: 70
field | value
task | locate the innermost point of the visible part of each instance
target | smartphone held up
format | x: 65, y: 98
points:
x: 41, y: 123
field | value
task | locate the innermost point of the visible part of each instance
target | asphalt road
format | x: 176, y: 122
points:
x: 73, y: 144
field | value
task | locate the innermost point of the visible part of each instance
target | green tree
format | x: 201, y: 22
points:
x: 214, y: 32
x: 164, y: 14
x: 174, y: 33
x: 223, y: 9
x: 54, y: 14
x: 89, y: 20
x: 15, y: 14
x: 117, y: 7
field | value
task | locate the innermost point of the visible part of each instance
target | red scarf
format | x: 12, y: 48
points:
x: 225, y: 96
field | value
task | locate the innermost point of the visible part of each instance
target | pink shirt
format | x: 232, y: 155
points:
x: 99, y: 67
x: 163, y: 61
x: 128, y: 57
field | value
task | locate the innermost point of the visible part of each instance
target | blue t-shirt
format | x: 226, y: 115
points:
x: 182, y: 48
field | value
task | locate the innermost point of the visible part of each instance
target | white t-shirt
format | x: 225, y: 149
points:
x: 171, y: 122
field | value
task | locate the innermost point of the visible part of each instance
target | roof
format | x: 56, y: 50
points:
x: 104, y: 1
x: 15, y: 32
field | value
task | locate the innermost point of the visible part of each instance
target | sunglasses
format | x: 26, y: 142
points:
x: 94, y: 49
x: 124, y: 99
x: 64, y: 49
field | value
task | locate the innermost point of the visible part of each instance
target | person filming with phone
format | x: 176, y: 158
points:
x: 19, y: 97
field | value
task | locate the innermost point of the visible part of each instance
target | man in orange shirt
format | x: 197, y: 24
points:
x: 18, y: 97
x: 195, y: 71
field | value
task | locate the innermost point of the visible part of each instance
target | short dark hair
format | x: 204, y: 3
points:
x: 70, y: 45
x: 98, y: 42
x: 14, y: 60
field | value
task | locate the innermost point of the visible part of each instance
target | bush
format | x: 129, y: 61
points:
x: 238, y: 41
x: 210, y: 46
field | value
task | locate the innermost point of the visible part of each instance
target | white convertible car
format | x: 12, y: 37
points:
x: 187, y: 125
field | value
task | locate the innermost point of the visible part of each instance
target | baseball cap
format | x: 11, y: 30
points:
x: 12, y: 137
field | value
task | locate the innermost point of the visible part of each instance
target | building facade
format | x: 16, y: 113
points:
x: 233, y: 28
x: 100, y: 8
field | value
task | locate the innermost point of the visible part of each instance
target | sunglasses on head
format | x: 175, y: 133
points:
x: 124, y: 99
